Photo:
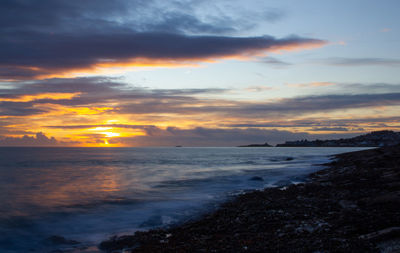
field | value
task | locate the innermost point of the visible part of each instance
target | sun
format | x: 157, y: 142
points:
x: 105, y: 131
x: 110, y: 134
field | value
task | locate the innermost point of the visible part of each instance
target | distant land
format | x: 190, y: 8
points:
x: 374, y: 139
x: 255, y: 145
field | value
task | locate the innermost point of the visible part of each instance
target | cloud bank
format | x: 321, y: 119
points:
x: 60, y: 38
x: 39, y: 139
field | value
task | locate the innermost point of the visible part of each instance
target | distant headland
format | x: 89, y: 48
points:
x: 255, y: 145
x: 374, y: 139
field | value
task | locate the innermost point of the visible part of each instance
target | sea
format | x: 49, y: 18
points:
x: 70, y: 199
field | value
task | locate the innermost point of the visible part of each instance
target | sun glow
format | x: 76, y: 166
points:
x: 49, y: 96
x: 110, y: 134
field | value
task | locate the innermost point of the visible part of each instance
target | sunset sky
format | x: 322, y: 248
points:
x: 196, y: 73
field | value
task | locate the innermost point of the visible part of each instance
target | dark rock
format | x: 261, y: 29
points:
x: 256, y: 178
x: 118, y: 243
x: 282, y: 183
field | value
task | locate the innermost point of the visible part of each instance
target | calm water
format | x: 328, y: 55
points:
x: 89, y: 194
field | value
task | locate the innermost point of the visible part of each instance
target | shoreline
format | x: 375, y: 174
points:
x: 350, y: 206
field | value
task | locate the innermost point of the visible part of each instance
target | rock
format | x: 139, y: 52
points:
x: 283, y: 183
x: 347, y: 204
x: 256, y: 178
x: 387, y: 232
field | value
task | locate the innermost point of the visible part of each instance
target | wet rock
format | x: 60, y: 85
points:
x: 256, y: 178
x: 283, y: 183
x: 119, y: 243
x: 384, y: 233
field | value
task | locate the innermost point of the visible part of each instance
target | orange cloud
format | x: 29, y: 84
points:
x: 51, y: 96
x: 297, y: 46
x: 311, y: 84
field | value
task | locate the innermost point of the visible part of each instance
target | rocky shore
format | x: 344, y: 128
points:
x: 351, y: 206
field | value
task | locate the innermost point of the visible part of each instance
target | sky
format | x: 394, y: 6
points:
x: 196, y: 73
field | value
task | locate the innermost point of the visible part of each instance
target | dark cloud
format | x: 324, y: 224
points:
x: 289, y: 106
x: 18, y: 109
x: 38, y: 140
x: 178, y: 22
x: 322, y: 124
x: 44, y: 38
x: 318, y: 103
x: 342, y: 61
x: 375, y: 88
x: 336, y: 129
x: 173, y: 136
x: 58, y: 53
x: 181, y: 16
x: 135, y: 100
x: 94, y: 91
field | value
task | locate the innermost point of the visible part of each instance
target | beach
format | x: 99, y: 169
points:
x: 350, y: 206
x: 63, y: 199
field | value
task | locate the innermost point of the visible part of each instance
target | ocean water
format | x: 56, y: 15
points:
x: 90, y: 194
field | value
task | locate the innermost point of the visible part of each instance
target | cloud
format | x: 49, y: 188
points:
x: 60, y: 38
x: 61, y: 54
x: 336, y: 124
x: 259, y: 88
x: 311, y: 84
x: 274, y: 62
x: 178, y: 16
x: 81, y: 109
x: 19, y: 109
x: 315, y: 103
x: 342, y: 61
x: 144, y: 127
x: 335, y: 129
x: 172, y: 136
x: 110, y: 95
x: 287, y: 106
x: 38, y: 140
x: 199, y: 136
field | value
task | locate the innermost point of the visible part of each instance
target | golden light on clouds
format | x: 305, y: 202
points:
x: 50, y: 96
x: 88, y: 110
x: 106, y: 131
x: 120, y: 65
